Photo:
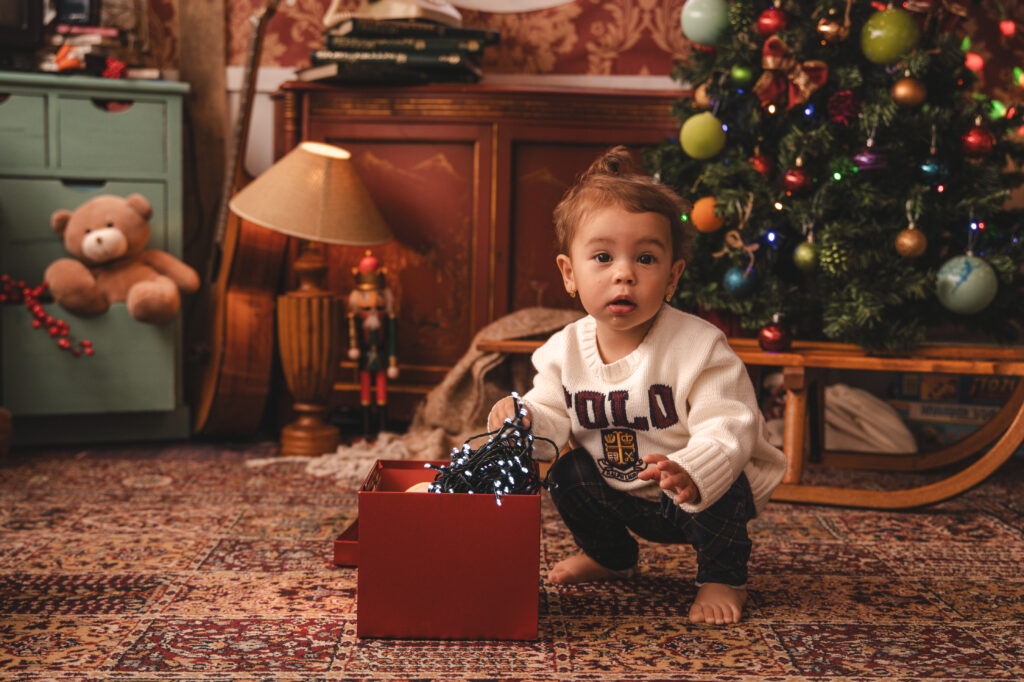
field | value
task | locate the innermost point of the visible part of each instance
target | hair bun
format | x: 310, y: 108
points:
x: 617, y: 161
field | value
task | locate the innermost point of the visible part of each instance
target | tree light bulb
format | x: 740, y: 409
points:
x: 974, y: 61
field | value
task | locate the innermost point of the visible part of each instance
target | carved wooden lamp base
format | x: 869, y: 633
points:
x: 308, y: 335
x: 309, y: 434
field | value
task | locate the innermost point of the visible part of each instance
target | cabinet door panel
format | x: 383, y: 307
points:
x: 424, y: 188
x: 545, y: 162
x: 542, y: 172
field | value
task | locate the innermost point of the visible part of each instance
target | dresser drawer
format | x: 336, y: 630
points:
x: 133, y: 369
x: 105, y: 134
x: 27, y: 242
x: 23, y: 126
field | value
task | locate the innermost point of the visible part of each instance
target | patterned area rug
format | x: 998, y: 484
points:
x: 180, y: 562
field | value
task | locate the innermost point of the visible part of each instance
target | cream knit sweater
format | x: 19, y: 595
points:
x: 682, y: 392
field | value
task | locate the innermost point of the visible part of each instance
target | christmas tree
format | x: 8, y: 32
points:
x: 845, y: 174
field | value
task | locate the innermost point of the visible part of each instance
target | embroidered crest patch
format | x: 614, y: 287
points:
x: 621, y: 460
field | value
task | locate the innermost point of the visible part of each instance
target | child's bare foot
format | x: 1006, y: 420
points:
x: 580, y: 568
x: 717, y: 604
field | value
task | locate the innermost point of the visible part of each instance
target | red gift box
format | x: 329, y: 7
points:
x: 442, y: 565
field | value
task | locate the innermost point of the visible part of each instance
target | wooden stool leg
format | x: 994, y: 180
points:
x: 794, y: 381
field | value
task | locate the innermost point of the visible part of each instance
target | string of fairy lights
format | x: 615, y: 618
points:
x: 503, y: 465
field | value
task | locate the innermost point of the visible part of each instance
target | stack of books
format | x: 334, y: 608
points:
x: 78, y: 44
x: 398, y: 51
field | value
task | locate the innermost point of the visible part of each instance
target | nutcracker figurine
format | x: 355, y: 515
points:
x: 371, y: 328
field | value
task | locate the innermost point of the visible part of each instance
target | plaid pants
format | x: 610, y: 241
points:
x: 598, y: 517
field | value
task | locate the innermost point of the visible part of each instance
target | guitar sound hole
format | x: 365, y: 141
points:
x: 113, y: 106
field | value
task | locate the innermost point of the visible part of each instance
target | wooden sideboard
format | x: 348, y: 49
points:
x: 467, y: 177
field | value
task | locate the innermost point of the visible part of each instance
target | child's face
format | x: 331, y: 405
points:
x: 621, y: 264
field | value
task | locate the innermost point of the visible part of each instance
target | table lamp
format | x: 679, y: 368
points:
x: 315, y: 194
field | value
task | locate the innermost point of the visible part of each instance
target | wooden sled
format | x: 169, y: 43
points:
x: 803, y: 366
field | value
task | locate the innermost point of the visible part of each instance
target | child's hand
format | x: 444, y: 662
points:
x: 672, y: 478
x: 504, y: 409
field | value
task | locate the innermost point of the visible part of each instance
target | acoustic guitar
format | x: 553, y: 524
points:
x: 230, y: 391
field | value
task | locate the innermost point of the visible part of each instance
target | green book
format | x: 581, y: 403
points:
x: 387, y: 72
x: 447, y: 61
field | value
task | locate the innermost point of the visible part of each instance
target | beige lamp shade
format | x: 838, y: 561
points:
x: 314, y: 193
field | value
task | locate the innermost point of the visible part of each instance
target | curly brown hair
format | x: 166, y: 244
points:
x: 614, y: 180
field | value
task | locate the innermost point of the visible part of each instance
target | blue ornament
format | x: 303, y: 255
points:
x: 740, y: 282
x: 966, y: 284
x: 933, y: 171
x: 704, y: 20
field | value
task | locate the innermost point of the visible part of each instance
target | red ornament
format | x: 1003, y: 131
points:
x: 762, y: 164
x: 796, y: 180
x: 772, y: 20
x: 774, y: 338
x: 977, y: 142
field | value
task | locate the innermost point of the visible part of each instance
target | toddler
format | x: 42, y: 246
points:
x: 667, y: 437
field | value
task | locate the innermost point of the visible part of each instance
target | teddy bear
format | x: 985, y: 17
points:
x: 107, y: 236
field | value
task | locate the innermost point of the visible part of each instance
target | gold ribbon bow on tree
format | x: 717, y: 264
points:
x: 784, y: 75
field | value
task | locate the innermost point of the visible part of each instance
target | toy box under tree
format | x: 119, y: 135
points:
x: 941, y: 409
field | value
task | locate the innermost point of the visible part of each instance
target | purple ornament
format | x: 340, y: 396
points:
x: 867, y: 159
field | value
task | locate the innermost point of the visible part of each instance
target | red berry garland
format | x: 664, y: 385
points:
x: 12, y: 291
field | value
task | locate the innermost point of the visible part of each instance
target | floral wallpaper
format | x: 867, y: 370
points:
x: 610, y: 37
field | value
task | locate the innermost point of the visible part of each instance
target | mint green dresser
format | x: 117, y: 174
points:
x: 64, y: 140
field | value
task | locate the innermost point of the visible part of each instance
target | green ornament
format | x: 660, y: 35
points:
x: 832, y: 260
x: 704, y: 21
x: 702, y: 136
x: 805, y: 256
x: 741, y: 15
x: 741, y: 75
x: 888, y: 35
